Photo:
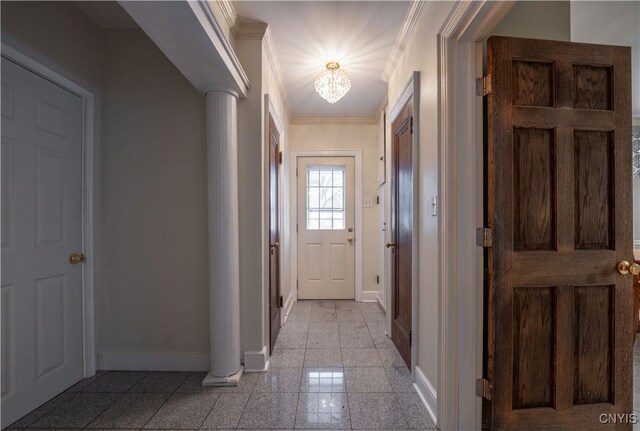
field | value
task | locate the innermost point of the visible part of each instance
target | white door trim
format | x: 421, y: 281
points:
x: 293, y: 195
x: 411, y: 89
x: 90, y: 159
x: 460, y: 187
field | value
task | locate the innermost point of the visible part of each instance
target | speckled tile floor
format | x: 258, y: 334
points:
x: 333, y: 368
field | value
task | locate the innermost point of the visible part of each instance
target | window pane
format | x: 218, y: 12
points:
x: 338, y: 199
x: 326, y: 224
x: 313, y: 197
x: 338, y: 178
x: 325, y: 178
x: 313, y: 178
x: 325, y: 197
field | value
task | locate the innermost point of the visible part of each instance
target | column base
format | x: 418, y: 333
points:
x: 232, y: 380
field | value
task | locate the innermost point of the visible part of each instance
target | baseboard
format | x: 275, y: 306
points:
x: 369, y: 295
x: 287, y: 306
x: 153, y: 361
x: 381, y: 304
x: 427, y: 394
x: 256, y: 362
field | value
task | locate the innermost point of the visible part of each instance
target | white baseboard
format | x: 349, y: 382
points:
x: 369, y: 295
x: 427, y: 394
x: 256, y: 362
x: 381, y: 304
x: 287, y: 306
x: 153, y: 361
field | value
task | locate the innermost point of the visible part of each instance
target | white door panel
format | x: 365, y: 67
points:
x: 326, y: 212
x: 41, y: 226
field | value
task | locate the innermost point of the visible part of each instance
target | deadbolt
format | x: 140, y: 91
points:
x: 75, y: 258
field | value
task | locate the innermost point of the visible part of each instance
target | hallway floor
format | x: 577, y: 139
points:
x: 333, y: 368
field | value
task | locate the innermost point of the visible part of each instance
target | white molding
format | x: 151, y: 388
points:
x: 228, y: 12
x: 274, y: 62
x: 256, y: 362
x: 288, y: 304
x: 153, y: 361
x: 427, y: 393
x: 357, y: 154
x: 337, y: 120
x: 406, y: 31
x: 90, y: 166
x: 381, y: 304
x: 460, y: 193
x: 369, y: 296
x: 410, y: 91
x: 251, y: 31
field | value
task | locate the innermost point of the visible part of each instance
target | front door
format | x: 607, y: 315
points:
x: 326, y: 231
x: 41, y: 226
x: 402, y: 230
x: 559, y: 316
x: 274, y: 233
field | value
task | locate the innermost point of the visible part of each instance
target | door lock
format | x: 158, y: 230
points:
x: 75, y: 258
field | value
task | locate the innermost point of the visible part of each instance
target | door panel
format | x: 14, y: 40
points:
x: 402, y: 231
x: 326, y: 216
x: 42, y: 225
x: 274, y: 233
x: 559, y: 319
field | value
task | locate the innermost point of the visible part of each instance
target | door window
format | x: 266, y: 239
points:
x: 325, y: 197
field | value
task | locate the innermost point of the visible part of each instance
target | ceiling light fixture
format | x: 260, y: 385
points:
x: 333, y: 83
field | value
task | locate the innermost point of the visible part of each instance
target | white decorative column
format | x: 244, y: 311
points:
x: 224, y: 272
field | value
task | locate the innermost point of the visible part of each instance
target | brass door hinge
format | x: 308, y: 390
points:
x: 410, y: 338
x: 484, y: 237
x: 280, y: 157
x: 483, y: 85
x: 484, y: 389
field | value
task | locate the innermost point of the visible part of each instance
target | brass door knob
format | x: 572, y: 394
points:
x: 276, y: 245
x: 75, y: 258
x: 390, y: 245
x: 350, y: 239
x: 625, y: 268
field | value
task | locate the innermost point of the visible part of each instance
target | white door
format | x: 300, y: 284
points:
x: 326, y: 231
x: 41, y: 226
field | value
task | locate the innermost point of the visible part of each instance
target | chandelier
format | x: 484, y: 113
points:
x: 332, y: 83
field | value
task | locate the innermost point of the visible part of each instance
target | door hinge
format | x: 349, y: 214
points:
x: 411, y: 124
x: 296, y: 172
x: 483, y: 85
x: 410, y: 338
x: 377, y: 279
x: 280, y: 157
x: 297, y: 286
x: 484, y: 389
x: 484, y: 237
x: 281, y: 301
x: 377, y: 200
x: 296, y: 227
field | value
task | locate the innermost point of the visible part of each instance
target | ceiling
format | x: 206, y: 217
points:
x: 106, y: 14
x: 307, y: 34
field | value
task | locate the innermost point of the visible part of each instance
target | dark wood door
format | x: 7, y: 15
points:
x: 559, y: 317
x: 402, y: 230
x: 274, y: 234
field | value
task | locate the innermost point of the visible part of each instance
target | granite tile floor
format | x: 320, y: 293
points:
x: 333, y: 368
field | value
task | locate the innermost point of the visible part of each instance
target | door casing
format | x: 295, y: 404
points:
x: 293, y: 180
x: 90, y: 162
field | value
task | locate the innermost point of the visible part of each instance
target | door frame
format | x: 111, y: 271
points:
x: 271, y: 111
x: 293, y: 195
x: 90, y: 183
x: 460, y: 187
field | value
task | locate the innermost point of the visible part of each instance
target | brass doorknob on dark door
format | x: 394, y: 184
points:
x: 390, y: 245
x: 625, y: 268
x: 75, y: 258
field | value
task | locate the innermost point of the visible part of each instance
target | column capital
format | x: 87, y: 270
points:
x: 222, y: 90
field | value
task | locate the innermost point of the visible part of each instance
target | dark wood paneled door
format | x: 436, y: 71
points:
x: 274, y: 234
x: 559, y: 318
x: 402, y: 230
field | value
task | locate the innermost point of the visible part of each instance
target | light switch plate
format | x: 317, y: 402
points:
x: 368, y: 202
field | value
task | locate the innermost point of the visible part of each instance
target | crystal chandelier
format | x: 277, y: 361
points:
x: 333, y: 83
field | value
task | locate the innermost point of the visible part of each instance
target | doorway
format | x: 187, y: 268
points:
x: 326, y: 227
x: 42, y: 280
x: 275, y: 299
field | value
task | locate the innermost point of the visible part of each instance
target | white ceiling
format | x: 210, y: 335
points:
x: 308, y: 34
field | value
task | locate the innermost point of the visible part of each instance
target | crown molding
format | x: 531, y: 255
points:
x: 406, y: 30
x: 229, y: 13
x: 274, y: 62
x: 340, y: 120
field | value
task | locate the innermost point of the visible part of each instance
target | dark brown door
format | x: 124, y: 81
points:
x: 401, y: 230
x: 559, y: 315
x: 274, y: 234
